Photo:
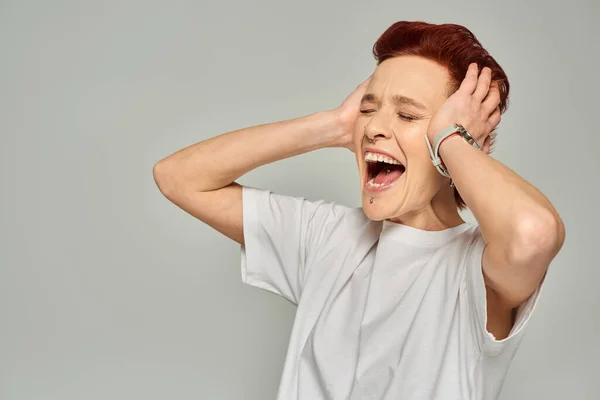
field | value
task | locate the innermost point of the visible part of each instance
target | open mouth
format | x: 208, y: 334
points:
x: 382, y: 171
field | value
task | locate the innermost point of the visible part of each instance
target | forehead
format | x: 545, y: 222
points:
x: 418, y: 78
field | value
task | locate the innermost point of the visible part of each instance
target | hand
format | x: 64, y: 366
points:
x: 347, y: 113
x: 475, y: 105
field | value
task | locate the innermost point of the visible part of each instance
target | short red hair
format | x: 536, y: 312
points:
x: 450, y: 45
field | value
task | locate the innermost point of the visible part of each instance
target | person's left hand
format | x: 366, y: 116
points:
x: 475, y: 105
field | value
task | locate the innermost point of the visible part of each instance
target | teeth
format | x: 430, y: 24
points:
x: 380, y: 158
x: 371, y: 183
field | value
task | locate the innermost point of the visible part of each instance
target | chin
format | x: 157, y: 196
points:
x: 373, y: 217
x: 378, y: 212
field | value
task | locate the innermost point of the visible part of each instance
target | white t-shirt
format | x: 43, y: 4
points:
x: 385, y: 311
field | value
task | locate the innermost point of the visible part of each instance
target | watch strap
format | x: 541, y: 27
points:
x: 439, y: 138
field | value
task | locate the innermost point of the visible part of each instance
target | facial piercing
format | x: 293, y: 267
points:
x: 371, y: 201
x: 368, y: 138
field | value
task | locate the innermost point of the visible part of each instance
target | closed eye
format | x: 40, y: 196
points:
x: 403, y: 116
x: 406, y: 117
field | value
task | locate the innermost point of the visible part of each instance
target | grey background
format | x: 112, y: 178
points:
x: 108, y: 291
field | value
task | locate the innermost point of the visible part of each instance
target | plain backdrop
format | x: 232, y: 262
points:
x: 109, y: 291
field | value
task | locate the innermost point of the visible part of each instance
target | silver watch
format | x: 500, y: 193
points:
x: 434, y: 150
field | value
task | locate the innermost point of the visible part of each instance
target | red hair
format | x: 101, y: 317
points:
x: 450, y: 45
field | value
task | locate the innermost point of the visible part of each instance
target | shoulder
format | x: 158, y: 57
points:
x: 319, y: 220
x: 471, y: 234
x: 468, y: 241
x: 340, y: 224
x: 461, y: 256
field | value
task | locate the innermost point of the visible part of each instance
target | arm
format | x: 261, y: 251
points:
x: 200, y: 178
x: 522, y: 229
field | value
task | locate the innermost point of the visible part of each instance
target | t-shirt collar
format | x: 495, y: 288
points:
x: 408, y: 234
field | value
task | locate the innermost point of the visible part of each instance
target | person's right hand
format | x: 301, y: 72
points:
x: 348, y: 111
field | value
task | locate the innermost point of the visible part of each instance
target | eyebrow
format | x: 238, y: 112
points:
x: 397, y: 99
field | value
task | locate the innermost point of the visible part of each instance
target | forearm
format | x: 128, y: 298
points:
x: 217, y: 162
x: 511, y: 212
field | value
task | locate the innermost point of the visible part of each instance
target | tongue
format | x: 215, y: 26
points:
x: 383, y: 177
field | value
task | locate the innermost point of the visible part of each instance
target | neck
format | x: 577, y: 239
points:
x: 441, y: 213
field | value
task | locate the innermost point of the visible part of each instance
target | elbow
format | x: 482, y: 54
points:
x: 537, y: 237
x: 164, y: 177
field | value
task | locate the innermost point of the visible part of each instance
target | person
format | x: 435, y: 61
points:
x: 399, y: 298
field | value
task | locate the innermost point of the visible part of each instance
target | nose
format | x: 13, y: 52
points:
x: 374, y: 131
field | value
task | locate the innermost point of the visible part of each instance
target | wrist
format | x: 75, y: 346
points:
x: 453, y: 144
x: 454, y: 137
x: 336, y: 128
x: 438, y: 144
x: 324, y: 127
x: 442, y: 149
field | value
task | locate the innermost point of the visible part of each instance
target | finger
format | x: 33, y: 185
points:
x: 483, y: 84
x: 366, y: 81
x: 495, y: 118
x: 492, y: 100
x: 487, y: 143
x: 470, y: 82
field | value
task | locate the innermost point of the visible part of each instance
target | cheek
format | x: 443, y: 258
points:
x: 422, y: 174
x: 359, y: 130
x: 411, y: 137
x: 358, y: 138
x: 413, y: 144
x: 416, y: 131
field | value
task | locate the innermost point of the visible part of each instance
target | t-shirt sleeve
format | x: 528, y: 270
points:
x: 475, y: 286
x: 282, y: 234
